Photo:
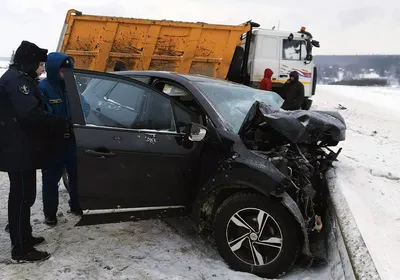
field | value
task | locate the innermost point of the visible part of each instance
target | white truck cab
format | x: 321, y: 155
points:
x: 282, y: 52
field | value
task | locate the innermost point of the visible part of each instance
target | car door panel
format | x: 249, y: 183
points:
x: 129, y: 168
x: 155, y: 178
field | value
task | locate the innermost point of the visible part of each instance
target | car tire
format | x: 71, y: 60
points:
x: 65, y: 179
x: 269, y: 251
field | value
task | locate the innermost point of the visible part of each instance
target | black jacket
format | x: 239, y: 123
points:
x: 293, y: 94
x: 27, y: 131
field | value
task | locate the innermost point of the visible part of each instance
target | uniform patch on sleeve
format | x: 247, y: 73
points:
x: 55, y: 101
x: 24, y: 89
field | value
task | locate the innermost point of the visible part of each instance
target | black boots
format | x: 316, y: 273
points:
x: 50, y: 221
x: 29, y: 255
x: 36, y: 240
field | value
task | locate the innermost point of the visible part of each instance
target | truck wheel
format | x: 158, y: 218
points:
x: 65, y: 179
x: 257, y: 235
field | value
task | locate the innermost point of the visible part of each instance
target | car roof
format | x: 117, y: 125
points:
x: 174, y: 75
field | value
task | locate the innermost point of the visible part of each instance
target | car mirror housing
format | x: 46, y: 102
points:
x: 195, y: 132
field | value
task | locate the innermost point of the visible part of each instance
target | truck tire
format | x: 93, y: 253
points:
x: 255, y: 234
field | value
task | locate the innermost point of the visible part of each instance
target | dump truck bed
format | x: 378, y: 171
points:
x: 97, y: 42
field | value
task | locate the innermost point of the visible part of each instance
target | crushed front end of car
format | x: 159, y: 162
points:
x: 298, y: 144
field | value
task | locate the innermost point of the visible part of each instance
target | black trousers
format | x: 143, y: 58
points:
x: 22, y: 197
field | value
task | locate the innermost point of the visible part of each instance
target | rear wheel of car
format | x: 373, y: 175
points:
x: 255, y: 234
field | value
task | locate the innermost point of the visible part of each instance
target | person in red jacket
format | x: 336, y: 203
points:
x: 266, y: 82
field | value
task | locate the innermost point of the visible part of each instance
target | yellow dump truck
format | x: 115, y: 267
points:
x: 97, y: 42
x: 238, y: 53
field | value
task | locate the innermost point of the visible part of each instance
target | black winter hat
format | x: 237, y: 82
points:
x: 68, y: 63
x: 294, y: 74
x: 29, y: 54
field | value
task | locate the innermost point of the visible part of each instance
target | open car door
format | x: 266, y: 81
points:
x: 131, y: 157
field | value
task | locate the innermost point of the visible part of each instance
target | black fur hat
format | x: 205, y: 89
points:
x: 29, y: 54
x: 294, y: 74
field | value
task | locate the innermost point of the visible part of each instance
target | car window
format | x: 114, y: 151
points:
x: 126, y: 95
x: 177, y: 92
x: 181, y: 95
x: 114, y: 102
x: 184, y: 117
x: 291, y: 50
x: 142, y: 79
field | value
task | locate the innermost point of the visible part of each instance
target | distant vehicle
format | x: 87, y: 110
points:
x: 158, y: 143
x: 236, y: 53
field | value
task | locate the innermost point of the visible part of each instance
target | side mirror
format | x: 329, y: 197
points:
x: 315, y: 43
x: 195, y: 132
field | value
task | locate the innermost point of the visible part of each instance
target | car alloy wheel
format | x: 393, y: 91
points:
x: 257, y: 234
x: 254, y: 236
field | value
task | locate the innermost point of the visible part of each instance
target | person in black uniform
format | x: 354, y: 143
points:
x: 293, y: 92
x: 27, y: 132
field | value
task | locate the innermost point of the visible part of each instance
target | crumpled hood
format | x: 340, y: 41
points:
x: 300, y: 126
x: 268, y: 73
x: 53, y: 64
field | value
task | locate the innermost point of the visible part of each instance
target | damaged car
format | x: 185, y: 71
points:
x: 247, y: 172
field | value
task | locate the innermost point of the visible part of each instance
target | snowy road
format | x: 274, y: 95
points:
x: 368, y: 170
x: 146, y: 250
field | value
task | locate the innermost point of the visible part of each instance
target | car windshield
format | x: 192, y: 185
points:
x: 233, y: 101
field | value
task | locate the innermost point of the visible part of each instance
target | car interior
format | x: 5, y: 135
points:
x: 181, y: 96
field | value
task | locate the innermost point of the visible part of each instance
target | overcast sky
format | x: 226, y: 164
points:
x: 341, y: 26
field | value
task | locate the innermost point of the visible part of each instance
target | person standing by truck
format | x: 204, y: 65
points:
x: 27, y: 134
x: 120, y: 66
x: 293, y: 92
x: 266, y: 82
x: 55, y: 94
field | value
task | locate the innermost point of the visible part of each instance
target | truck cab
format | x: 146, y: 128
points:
x: 282, y: 52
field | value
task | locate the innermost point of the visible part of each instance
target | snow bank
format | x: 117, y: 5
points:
x: 4, y: 64
x: 368, y: 171
x: 378, y: 99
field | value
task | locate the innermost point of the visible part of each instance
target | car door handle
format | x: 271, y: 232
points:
x: 99, y: 155
x: 283, y: 76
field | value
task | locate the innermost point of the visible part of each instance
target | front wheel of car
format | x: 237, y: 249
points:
x: 255, y: 234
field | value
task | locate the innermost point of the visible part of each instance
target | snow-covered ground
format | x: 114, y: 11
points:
x: 368, y: 172
x: 3, y: 65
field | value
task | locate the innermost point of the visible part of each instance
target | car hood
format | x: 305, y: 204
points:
x: 300, y: 126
